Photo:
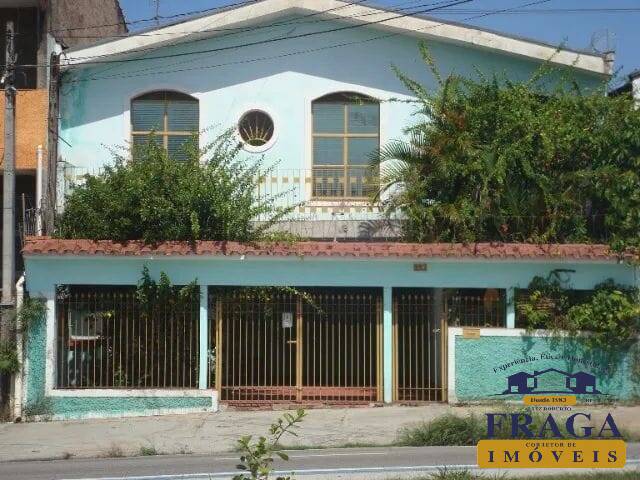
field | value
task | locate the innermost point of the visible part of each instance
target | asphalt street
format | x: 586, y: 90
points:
x: 321, y: 463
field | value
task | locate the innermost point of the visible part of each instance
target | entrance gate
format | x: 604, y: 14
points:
x: 419, y: 338
x: 312, y: 345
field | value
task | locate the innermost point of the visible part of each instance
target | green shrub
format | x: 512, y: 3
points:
x: 539, y: 160
x: 257, y: 456
x: 447, y: 429
x: 611, y: 312
x: 148, y: 451
x: 211, y: 195
x: 31, y: 311
x: 451, y: 429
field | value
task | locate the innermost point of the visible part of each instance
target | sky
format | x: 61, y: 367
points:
x: 613, y: 25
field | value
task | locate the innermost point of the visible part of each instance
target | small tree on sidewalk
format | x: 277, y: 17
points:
x: 213, y: 194
x: 257, y: 456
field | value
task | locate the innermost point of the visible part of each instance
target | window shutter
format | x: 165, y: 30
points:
x: 328, y: 118
x: 147, y: 115
x: 183, y: 116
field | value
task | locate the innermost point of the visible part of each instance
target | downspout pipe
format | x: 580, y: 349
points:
x: 39, y: 166
x: 18, y: 378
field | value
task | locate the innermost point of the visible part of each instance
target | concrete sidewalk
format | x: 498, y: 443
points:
x: 208, y: 433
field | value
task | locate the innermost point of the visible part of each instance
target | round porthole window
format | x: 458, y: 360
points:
x: 256, y: 128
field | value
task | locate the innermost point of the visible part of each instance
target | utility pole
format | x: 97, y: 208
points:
x: 9, y: 185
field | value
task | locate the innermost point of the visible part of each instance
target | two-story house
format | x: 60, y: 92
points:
x: 307, y: 85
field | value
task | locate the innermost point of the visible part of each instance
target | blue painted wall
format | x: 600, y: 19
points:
x: 45, y: 272
x: 482, y: 365
x: 38, y: 404
x: 95, y: 101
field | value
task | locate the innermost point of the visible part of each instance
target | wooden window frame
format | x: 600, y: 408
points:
x: 345, y: 136
x: 165, y: 133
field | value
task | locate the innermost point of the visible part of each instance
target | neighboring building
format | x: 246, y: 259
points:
x: 43, y: 28
x: 380, y: 322
x: 632, y: 86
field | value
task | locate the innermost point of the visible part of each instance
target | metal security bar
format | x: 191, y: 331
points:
x: 106, y: 339
x: 476, y: 307
x: 419, y: 338
x: 316, y: 345
x: 341, y: 346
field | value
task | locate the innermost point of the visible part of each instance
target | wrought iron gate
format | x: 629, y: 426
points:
x: 312, y: 345
x: 419, y: 338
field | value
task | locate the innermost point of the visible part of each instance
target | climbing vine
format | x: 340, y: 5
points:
x: 31, y: 311
x: 163, y: 294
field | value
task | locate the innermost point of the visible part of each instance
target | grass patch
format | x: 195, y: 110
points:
x: 114, y: 451
x: 148, y: 451
x: 451, y: 430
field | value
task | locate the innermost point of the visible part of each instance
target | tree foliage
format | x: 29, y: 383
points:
x: 610, y: 312
x: 212, y: 195
x: 535, y: 161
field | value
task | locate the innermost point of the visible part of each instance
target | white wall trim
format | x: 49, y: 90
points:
x: 50, y: 351
x: 416, y: 26
x: 132, y: 392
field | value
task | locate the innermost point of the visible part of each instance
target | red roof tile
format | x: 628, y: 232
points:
x: 518, y: 251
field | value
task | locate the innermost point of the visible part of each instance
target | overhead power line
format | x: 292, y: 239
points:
x: 154, y: 71
x: 89, y: 60
x: 299, y: 21
x: 548, y: 11
x: 161, y: 17
x: 395, y: 8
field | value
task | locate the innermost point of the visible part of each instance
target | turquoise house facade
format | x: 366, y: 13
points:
x: 461, y: 369
x: 279, y: 65
x: 308, y: 87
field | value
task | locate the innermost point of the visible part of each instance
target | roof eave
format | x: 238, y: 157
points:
x: 422, y: 27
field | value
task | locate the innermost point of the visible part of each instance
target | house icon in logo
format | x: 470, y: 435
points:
x: 551, y: 380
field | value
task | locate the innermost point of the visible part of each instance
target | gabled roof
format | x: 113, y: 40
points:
x: 377, y: 17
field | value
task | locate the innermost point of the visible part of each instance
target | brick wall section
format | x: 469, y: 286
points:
x: 101, y: 17
x: 506, y: 251
x: 31, y: 127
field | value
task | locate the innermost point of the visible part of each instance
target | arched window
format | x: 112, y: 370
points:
x: 173, y: 118
x: 346, y: 133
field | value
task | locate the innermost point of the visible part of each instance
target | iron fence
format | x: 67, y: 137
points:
x: 313, y: 345
x: 475, y: 307
x: 107, y: 339
x: 419, y: 336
